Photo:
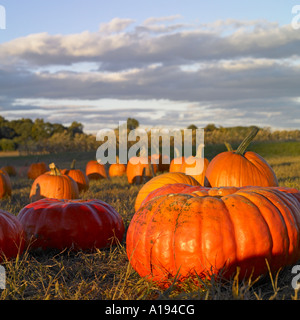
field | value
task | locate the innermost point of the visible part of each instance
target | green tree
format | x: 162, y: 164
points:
x: 75, y: 127
x: 132, y: 123
x: 192, y: 126
x: 210, y: 127
x: 7, y: 145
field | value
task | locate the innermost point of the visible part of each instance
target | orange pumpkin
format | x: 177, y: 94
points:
x: 176, y: 164
x: 54, y: 185
x: 161, y: 180
x: 5, y: 184
x: 192, y: 235
x: 117, y: 169
x: 140, y: 169
x: 78, y: 176
x: 36, y: 169
x: 240, y: 168
x: 11, y: 170
x: 190, y: 169
x: 163, y: 161
x: 95, y: 170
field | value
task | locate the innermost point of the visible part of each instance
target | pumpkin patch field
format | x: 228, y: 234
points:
x: 62, y: 257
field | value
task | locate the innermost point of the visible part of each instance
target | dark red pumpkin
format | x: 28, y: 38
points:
x: 12, y: 236
x: 74, y: 224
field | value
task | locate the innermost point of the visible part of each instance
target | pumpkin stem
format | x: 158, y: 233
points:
x: 54, y: 170
x: 228, y: 146
x: 245, y: 143
x: 73, y: 164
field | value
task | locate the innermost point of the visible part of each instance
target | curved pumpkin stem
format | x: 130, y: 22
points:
x: 73, y: 164
x: 54, y: 170
x: 228, y: 146
x: 245, y: 143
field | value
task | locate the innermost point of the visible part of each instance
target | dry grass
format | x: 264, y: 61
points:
x: 107, y: 274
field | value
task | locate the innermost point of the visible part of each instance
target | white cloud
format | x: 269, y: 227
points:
x: 115, y: 25
x: 228, y: 71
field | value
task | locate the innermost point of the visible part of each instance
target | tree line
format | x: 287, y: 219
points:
x: 28, y: 136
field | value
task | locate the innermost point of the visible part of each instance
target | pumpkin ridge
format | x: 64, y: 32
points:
x: 259, y: 164
x: 278, y: 229
x: 187, y: 198
x: 290, y: 218
x: 232, y: 226
x: 246, y: 237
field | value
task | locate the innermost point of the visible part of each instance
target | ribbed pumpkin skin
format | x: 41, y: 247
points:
x: 74, y: 224
x: 174, y: 189
x: 36, y: 169
x: 231, y: 169
x: 205, y: 191
x: 12, y: 236
x: 161, y: 180
x: 54, y: 186
x: 5, y: 184
x: 212, y: 234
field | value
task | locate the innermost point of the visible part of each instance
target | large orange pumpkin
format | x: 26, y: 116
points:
x: 78, y: 176
x: 240, y: 168
x: 54, y: 185
x: 161, y: 180
x: 195, y: 236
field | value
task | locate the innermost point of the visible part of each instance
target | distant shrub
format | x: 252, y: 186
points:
x: 7, y: 145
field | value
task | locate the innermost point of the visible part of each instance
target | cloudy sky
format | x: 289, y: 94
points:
x: 165, y: 63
